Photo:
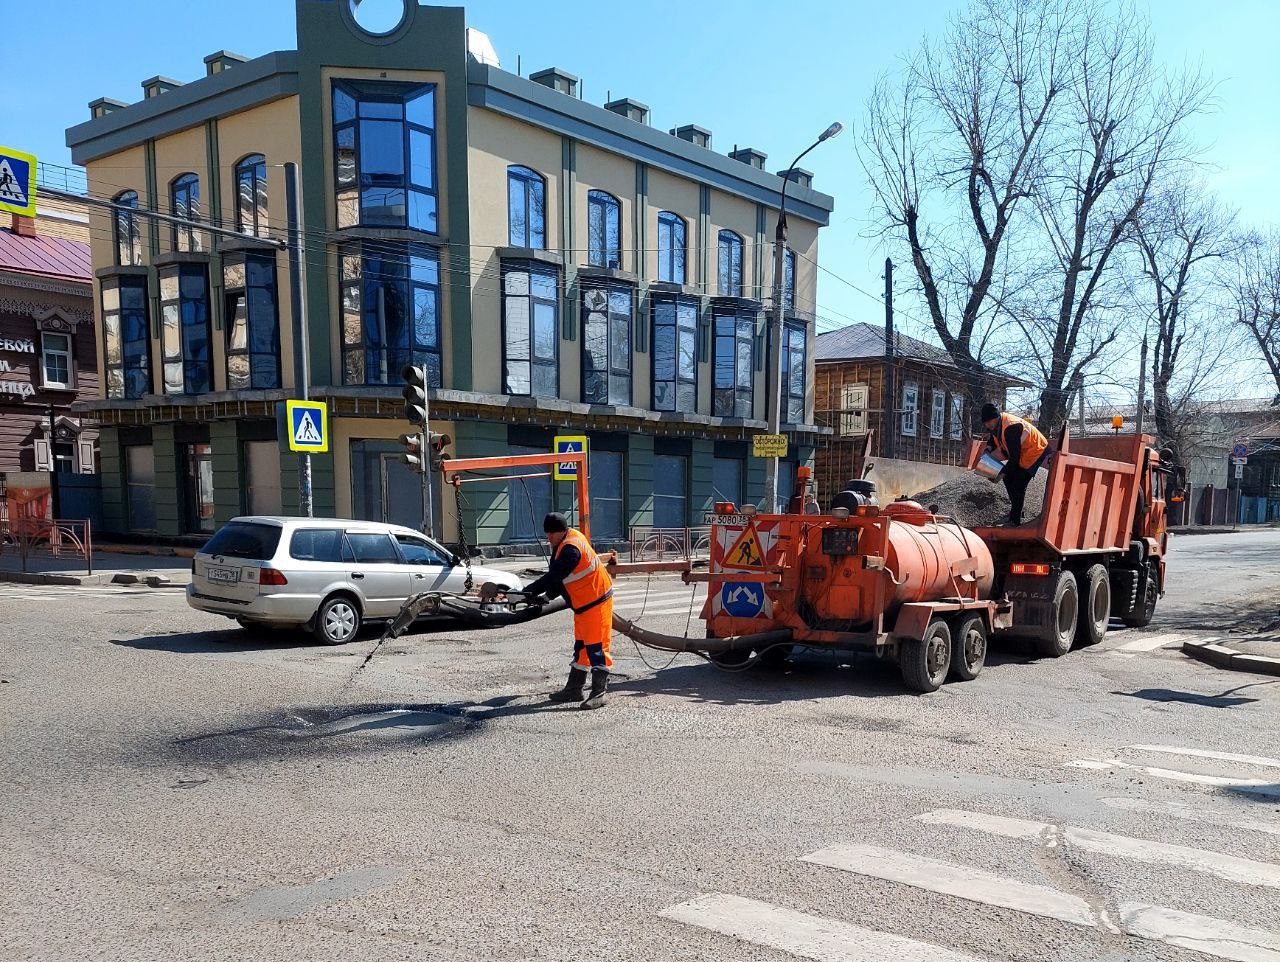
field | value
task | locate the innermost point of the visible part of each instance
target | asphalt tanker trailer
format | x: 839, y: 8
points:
x: 928, y: 592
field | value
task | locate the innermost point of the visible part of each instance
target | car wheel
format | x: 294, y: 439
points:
x: 337, y: 622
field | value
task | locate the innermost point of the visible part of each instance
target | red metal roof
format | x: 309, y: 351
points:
x: 45, y: 256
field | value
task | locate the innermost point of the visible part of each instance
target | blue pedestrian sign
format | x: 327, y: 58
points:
x: 308, y: 425
x: 17, y: 182
x: 742, y: 599
x: 565, y: 444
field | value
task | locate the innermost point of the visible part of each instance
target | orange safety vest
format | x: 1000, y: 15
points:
x: 588, y: 583
x: 1034, y: 443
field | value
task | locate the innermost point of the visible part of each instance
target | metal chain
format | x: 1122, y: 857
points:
x: 462, y: 538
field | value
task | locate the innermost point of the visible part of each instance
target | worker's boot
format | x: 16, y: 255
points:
x: 572, y: 690
x: 599, y: 687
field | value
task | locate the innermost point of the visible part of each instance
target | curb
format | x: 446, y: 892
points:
x: 1221, y: 656
x: 39, y: 578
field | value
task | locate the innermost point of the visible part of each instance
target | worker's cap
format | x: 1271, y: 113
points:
x: 554, y: 522
x: 989, y: 412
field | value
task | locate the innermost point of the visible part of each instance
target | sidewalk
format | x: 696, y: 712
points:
x: 70, y: 569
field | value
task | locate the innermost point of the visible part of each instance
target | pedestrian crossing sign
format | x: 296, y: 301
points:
x: 568, y: 444
x: 308, y: 424
x: 17, y: 182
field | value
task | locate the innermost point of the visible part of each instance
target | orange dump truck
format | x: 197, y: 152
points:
x: 904, y: 584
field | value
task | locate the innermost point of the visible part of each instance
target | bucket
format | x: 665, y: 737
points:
x: 989, y: 467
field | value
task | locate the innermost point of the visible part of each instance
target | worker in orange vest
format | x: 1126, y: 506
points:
x: 580, y: 576
x: 1020, y: 445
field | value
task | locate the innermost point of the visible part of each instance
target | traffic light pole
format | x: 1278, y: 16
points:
x: 298, y: 305
x: 428, y: 522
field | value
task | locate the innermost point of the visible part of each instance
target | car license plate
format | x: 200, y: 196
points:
x: 227, y: 576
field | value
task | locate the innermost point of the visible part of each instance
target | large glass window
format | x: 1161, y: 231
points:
x: 126, y: 339
x: 128, y: 236
x: 526, y: 208
x: 672, y: 233
x: 185, y: 331
x: 729, y: 264
x: 675, y: 354
x: 390, y: 312
x: 733, y: 356
x: 252, y: 321
x: 670, y: 491
x: 726, y: 479
x: 604, y: 230
x: 530, y: 499
x: 55, y: 353
x: 605, y: 474
x: 199, y: 487
x: 606, y: 344
x: 384, y: 155
x: 184, y: 202
x: 530, y: 330
x: 251, y: 196
x: 793, y: 373
x: 789, y: 280
x: 140, y: 481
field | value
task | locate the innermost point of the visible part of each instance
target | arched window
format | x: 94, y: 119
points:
x: 184, y: 202
x: 730, y: 264
x: 604, y: 230
x: 526, y: 208
x: 672, y: 232
x: 128, y: 237
x: 251, y: 196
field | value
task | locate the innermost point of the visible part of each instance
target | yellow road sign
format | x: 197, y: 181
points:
x: 17, y: 182
x: 308, y: 424
x: 567, y: 443
x: 769, y: 445
x: 747, y: 552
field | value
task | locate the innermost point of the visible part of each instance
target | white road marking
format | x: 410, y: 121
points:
x: 1230, y: 867
x: 1226, y: 940
x: 651, y: 595
x: 1193, y: 813
x: 799, y: 934
x: 650, y: 612
x: 1261, y: 787
x: 1154, y: 642
x: 1205, y: 753
x: 959, y: 881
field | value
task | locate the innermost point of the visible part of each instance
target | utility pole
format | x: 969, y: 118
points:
x: 888, y: 430
x: 1142, y: 385
x: 298, y: 305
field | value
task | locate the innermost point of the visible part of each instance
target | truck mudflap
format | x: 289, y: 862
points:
x: 914, y: 618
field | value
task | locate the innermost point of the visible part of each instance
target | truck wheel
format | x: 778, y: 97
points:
x: 968, y: 647
x: 1056, y: 637
x: 1095, y: 607
x: 1145, y: 608
x: 924, y: 662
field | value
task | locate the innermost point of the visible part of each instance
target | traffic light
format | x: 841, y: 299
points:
x: 413, y: 455
x: 415, y: 393
x: 437, y: 443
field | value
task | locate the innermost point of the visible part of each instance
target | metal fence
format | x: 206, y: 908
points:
x: 670, y: 544
x: 34, y: 538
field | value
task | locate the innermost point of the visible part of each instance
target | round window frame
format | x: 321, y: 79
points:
x: 369, y: 36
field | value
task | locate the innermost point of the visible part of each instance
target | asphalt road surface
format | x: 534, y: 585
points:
x: 174, y: 788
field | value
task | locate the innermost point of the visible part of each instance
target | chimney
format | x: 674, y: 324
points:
x: 556, y: 79
x: 103, y: 106
x: 24, y: 226
x: 698, y: 136
x: 222, y: 60
x: 750, y: 156
x: 798, y: 176
x: 158, y: 85
x: 631, y: 109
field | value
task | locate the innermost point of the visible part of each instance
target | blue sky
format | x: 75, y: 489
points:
x: 756, y: 73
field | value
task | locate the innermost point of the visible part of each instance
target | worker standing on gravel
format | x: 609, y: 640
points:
x: 1020, y: 445
x: 579, y: 575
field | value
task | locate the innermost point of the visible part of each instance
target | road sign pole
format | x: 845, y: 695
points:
x: 298, y: 306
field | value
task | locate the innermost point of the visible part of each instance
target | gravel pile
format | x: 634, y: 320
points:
x: 978, y: 503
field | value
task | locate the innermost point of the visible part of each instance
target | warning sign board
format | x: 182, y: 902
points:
x: 746, y: 552
x: 17, y: 182
x: 769, y: 445
x: 308, y: 424
x: 564, y: 444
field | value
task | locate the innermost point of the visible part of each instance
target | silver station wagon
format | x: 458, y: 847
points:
x: 327, y: 575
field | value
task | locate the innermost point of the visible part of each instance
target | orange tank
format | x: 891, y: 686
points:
x: 921, y: 553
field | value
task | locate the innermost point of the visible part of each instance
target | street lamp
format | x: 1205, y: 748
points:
x: 775, y: 325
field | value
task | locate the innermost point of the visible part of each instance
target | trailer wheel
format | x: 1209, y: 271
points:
x: 1145, y: 608
x: 1056, y: 637
x: 968, y: 647
x: 1095, y: 606
x: 924, y: 662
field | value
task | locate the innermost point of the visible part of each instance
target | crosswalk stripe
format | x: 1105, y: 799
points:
x: 1191, y: 813
x: 960, y: 881
x: 1205, y: 753
x: 1230, y: 867
x: 1227, y: 940
x: 803, y: 935
x: 674, y: 593
x: 678, y: 610
x: 1261, y: 787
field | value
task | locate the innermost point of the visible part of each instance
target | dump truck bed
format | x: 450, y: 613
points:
x: 1090, y: 498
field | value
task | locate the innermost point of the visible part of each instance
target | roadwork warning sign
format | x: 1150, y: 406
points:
x: 746, y: 552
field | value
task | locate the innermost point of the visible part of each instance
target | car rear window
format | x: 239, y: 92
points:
x: 316, y: 544
x: 240, y: 539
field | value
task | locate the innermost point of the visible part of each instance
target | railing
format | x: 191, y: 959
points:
x: 42, y: 538
x: 670, y: 544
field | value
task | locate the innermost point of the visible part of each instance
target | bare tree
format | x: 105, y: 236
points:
x: 1254, y: 291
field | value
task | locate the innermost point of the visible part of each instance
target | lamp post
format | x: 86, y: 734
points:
x: 774, y: 376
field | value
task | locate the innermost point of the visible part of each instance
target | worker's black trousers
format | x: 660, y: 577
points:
x: 1016, y: 479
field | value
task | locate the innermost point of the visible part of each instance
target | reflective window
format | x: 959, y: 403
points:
x: 606, y: 344
x: 126, y: 338
x: 793, y: 373
x: 675, y: 354
x: 184, y: 202
x: 530, y: 330
x: 369, y: 548
x: 789, y: 281
x: 530, y: 500
x: 390, y: 311
x: 726, y: 479
x: 55, y: 352
x: 526, y: 208
x: 184, y: 329
x: 671, y: 247
x: 128, y: 235
x: 605, y: 473
x: 729, y: 264
x: 670, y: 491
x: 251, y: 196
x: 252, y: 321
x: 315, y: 544
x: 604, y: 230
x: 419, y: 551
x: 140, y: 484
x: 734, y: 360
x: 384, y: 155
